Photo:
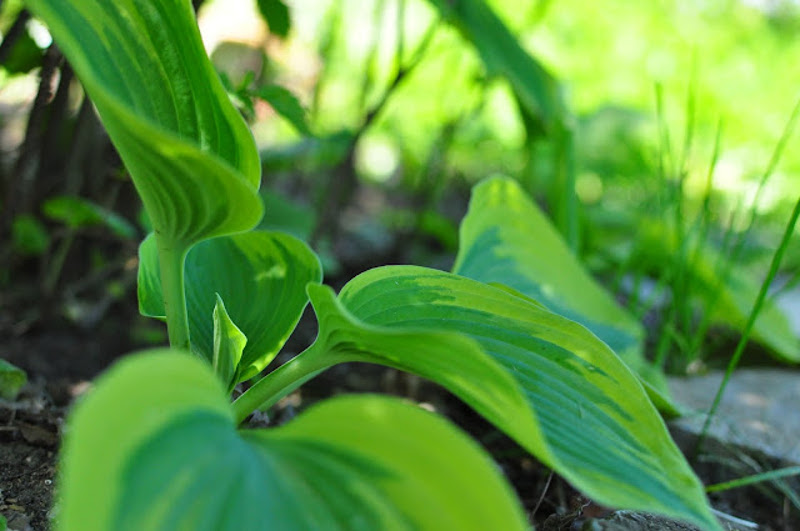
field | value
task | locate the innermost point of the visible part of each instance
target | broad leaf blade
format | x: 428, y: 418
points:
x: 455, y: 361
x: 153, y: 390
x: 506, y: 239
x: 261, y: 276
x: 190, y: 154
x: 598, y: 428
x: 177, y: 462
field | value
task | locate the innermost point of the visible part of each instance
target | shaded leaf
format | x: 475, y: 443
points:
x: 276, y: 15
x: 261, y: 276
x: 29, y: 235
x: 172, y: 460
x: 287, y: 105
x: 77, y: 212
x: 24, y: 56
x: 11, y: 380
x: 588, y: 416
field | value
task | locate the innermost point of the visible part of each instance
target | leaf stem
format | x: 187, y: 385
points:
x: 282, y: 381
x: 171, y: 258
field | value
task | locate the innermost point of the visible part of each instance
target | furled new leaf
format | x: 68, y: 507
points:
x: 587, y: 416
x: 505, y: 238
x: 190, y: 154
x: 229, y: 342
x: 167, y: 456
x: 261, y: 277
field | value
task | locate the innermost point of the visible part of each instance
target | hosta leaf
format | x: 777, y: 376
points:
x: 140, y: 397
x: 455, y: 361
x: 166, y: 456
x: 229, y: 342
x: 594, y: 422
x: 261, y: 277
x: 190, y: 154
x: 505, y: 238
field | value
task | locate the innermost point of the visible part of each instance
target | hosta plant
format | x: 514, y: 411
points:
x: 157, y: 444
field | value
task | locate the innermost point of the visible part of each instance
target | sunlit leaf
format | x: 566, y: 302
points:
x: 167, y: 456
x: 505, y: 238
x: 587, y: 416
x: 261, y: 276
x: 190, y: 154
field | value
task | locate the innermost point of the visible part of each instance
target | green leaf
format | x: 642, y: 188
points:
x: 726, y: 290
x: 455, y: 361
x: 503, y: 56
x: 734, y: 303
x: 189, y: 152
x: 77, y: 212
x: 24, y: 56
x: 276, y: 15
x: 286, y: 104
x: 506, y: 239
x: 229, y: 342
x: 140, y: 397
x: 29, y: 235
x: 153, y: 446
x: 11, y: 380
x: 587, y: 416
x: 261, y: 276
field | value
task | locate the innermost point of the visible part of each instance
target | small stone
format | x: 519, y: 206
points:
x: 19, y: 522
x: 758, y: 411
x: 632, y: 521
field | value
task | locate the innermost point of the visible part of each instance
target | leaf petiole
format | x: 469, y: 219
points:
x: 171, y: 257
x: 282, y: 381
